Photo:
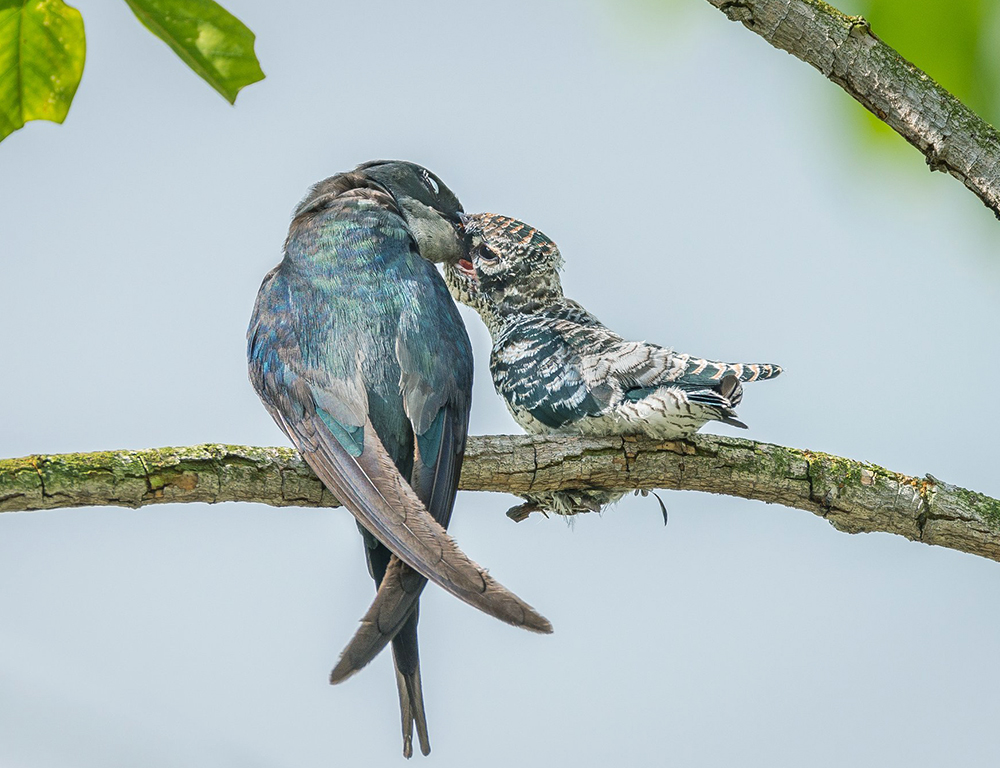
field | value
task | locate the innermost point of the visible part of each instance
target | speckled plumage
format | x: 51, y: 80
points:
x: 360, y: 355
x: 561, y: 371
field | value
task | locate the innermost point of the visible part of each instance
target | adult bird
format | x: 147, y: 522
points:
x: 561, y: 371
x: 360, y: 355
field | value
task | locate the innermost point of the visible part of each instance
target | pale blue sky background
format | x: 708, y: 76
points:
x: 707, y: 192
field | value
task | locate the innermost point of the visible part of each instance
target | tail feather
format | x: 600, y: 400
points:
x: 411, y: 710
x: 406, y: 713
x: 406, y: 656
x: 395, y: 602
x: 721, y: 399
x: 705, y: 380
x: 755, y: 371
x: 701, y: 370
x: 733, y: 422
x: 416, y: 693
x: 393, y: 617
x: 730, y: 387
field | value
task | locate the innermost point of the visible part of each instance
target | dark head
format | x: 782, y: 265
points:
x: 508, y: 266
x: 430, y: 209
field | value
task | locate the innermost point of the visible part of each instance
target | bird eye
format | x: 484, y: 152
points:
x: 429, y: 181
x: 490, y: 257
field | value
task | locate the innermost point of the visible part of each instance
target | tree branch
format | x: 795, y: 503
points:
x: 853, y: 496
x: 951, y: 136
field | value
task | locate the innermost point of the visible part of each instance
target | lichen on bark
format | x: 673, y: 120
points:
x: 853, y: 496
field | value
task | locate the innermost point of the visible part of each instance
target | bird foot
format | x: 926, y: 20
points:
x: 523, y: 511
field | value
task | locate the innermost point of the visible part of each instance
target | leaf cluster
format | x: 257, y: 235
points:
x: 43, y: 48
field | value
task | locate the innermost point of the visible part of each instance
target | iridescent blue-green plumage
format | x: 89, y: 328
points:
x: 359, y: 353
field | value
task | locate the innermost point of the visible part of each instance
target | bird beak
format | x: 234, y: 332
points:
x: 458, y: 222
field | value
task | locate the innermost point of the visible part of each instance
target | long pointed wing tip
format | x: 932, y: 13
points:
x: 535, y: 622
x: 341, y: 672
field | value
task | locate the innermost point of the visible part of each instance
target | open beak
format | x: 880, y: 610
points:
x: 465, y: 267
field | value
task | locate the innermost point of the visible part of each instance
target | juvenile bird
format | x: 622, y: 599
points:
x: 360, y: 355
x: 561, y: 371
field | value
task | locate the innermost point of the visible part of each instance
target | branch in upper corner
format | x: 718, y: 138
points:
x: 853, y: 496
x: 951, y: 136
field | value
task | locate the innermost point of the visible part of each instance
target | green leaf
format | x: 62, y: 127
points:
x: 42, y: 50
x: 953, y: 41
x: 209, y: 39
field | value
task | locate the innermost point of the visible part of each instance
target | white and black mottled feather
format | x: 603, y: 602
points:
x: 561, y: 371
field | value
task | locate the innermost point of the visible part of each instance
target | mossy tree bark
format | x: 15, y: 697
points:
x: 853, y: 496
